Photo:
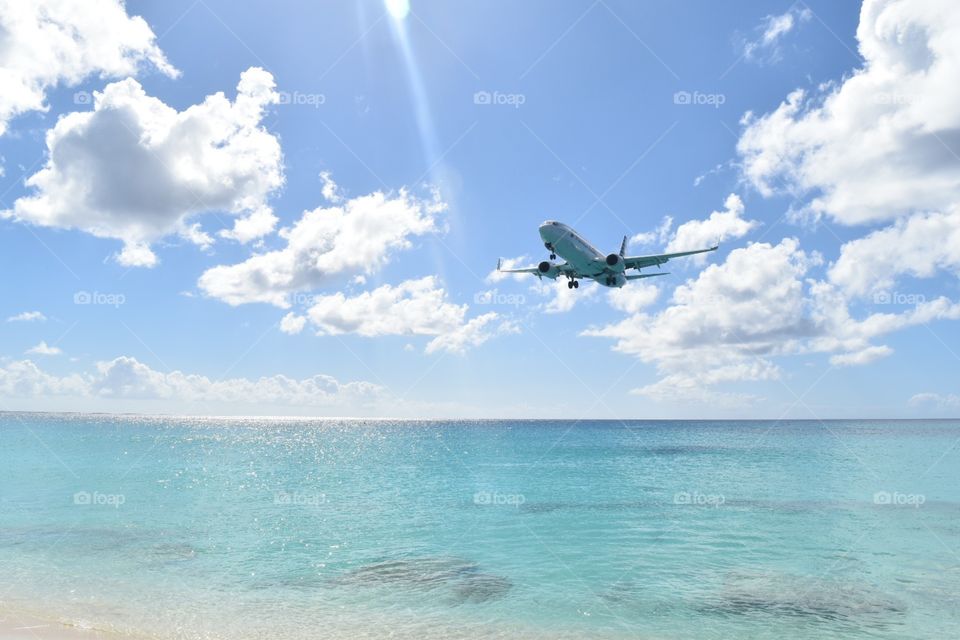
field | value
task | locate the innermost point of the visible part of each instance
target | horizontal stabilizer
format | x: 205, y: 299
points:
x: 647, y: 275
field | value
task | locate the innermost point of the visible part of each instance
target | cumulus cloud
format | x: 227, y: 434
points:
x: 720, y: 226
x: 44, y: 349
x: 864, y: 356
x: 918, y: 246
x: 935, y: 400
x: 633, y: 298
x: 520, y: 262
x: 28, y: 316
x: 771, y: 31
x: 355, y: 238
x: 413, y: 307
x: 726, y: 320
x: 471, y: 334
x: 137, y: 170
x: 728, y: 324
x: 330, y: 190
x: 24, y: 379
x: 561, y: 298
x: 127, y: 378
x: 883, y: 142
x: 60, y: 42
x: 292, y: 324
x: 657, y: 237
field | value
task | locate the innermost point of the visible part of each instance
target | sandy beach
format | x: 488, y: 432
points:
x: 17, y: 626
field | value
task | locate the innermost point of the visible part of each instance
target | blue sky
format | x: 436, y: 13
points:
x: 122, y: 294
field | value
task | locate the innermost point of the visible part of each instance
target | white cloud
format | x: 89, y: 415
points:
x: 43, y: 349
x: 23, y: 379
x: 520, y: 262
x: 292, y: 324
x: 728, y: 320
x: 471, y: 334
x: 633, y: 298
x: 562, y: 298
x: 28, y: 316
x: 771, y: 31
x: 60, y: 42
x: 918, y: 246
x: 327, y: 245
x: 124, y: 384
x: 729, y: 323
x: 413, y: 307
x: 658, y: 237
x: 330, y: 191
x: 883, y: 142
x: 935, y: 400
x: 137, y: 170
x: 127, y: 378
x: 720, y: 226
x: 864, y: 356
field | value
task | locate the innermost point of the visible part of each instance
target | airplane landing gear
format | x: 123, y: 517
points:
x: 573, y: 284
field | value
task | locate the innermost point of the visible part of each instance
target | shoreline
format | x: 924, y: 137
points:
x: 17, y: 625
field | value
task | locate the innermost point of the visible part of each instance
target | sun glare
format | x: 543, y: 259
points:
x: 398, y: 9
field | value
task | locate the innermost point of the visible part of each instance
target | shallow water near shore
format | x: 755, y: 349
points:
x: 254, y: 528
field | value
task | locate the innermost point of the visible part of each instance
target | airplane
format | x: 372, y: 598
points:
x: 585, y: 261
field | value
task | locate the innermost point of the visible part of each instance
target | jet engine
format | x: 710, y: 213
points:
x: 547, y: 270
x: 615, y: 262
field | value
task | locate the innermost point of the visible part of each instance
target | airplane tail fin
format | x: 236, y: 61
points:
x: 623, y: 247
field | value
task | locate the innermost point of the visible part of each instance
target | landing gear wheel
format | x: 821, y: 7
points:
x: 576, y: 284
x: 553, y: 256
x: 571, y: 284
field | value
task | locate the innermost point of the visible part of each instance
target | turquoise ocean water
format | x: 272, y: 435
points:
x: 256, y: 528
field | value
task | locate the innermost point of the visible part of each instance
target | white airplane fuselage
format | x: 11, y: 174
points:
x: 565, y: 242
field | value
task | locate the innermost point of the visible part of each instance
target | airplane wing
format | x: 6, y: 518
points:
x: 525, y: 270
x: 638, y: 262
x: 556, y: 270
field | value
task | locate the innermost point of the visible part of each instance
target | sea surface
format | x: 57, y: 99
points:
x: 279, y: 528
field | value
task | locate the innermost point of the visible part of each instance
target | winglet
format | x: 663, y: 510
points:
x: 623, y: 247
x: 499, y: 260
